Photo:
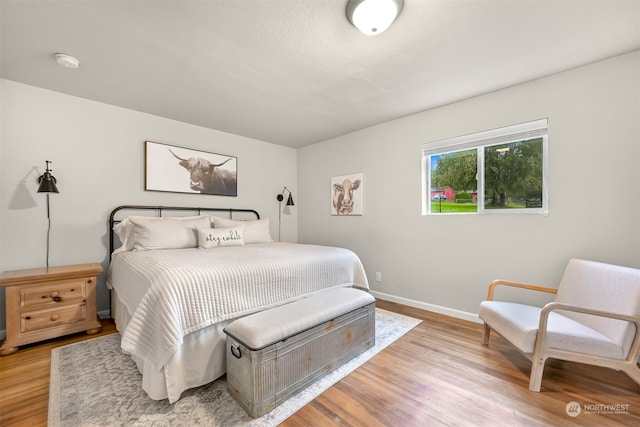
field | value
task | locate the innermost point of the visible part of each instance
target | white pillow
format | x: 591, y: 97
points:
x: 220, y: 237
x: 124, y: 231
x: 151, y: 233
x: 255, y: 231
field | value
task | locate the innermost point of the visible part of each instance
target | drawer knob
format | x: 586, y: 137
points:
x: 55, y: 317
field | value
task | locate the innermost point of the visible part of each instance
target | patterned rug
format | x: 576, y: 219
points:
x: 94, y: 384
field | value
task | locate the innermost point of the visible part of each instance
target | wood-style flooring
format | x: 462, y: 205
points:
x: 436, y: 375
x: 24, y: 379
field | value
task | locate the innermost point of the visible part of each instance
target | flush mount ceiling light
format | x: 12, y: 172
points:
x: 66, y: 61
x: 373, y: 17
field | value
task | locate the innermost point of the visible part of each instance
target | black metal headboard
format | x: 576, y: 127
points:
x: 159, y: 210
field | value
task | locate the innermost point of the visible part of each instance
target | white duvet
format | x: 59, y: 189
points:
x: 172, y: 293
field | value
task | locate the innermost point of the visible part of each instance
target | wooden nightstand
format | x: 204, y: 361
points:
x: 44, y: 303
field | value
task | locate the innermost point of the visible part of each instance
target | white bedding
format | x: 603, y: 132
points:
x: 171, y: 294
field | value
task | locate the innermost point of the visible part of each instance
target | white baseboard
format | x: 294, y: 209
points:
x: 472, y: 317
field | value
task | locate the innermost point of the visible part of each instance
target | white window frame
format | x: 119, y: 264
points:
x: 519, y: 132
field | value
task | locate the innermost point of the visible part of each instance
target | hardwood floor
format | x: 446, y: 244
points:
x: 440, y: 375
x: 24, y: 379
x: 436, y: 375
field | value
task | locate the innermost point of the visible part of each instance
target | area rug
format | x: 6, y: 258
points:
x: 94, y: 384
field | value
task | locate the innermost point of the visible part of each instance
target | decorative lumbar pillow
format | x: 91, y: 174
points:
x: 152, y: 233
x: 255, y: 231
x: 219, y: 237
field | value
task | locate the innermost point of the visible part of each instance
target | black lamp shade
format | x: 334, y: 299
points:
x: 47, y: 183
x: 280, y: 197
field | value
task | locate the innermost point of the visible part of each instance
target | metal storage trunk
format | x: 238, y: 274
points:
x: 274, y: 354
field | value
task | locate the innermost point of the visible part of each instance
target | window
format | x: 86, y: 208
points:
x: 493, y: 172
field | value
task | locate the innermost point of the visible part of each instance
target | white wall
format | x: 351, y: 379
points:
x: 437, y: 262
x: 444, y: 263
x: 97, y: 152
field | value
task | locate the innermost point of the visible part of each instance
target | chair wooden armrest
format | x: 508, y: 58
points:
x: 554, y: 306
x: 542, y: 351
x: 511, y: 283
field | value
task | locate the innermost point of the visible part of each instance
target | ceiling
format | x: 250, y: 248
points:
x: 296, y: 72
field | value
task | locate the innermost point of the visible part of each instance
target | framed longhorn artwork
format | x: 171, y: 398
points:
x: 346, y: 194
x: 183, y: 170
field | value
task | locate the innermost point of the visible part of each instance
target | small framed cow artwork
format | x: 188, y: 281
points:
x: 183, y: 170
x: 346, y: 194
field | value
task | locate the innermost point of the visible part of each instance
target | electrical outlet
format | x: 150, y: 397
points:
x: 378, y: 276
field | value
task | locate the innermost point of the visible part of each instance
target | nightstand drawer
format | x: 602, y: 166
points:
x: 48, y: 318
x: 58, y: 292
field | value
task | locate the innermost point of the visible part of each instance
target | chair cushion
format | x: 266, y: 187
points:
x: 518, y: 324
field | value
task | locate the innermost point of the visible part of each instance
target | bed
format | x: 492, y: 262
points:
x: 179, y: 275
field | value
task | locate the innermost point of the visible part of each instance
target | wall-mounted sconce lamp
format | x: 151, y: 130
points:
x: 280, y: 198
x: 47, y: 184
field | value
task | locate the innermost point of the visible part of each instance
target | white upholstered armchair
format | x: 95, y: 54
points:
x: 594, y: 319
